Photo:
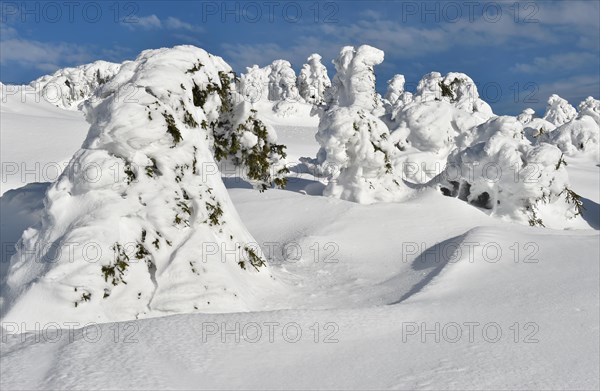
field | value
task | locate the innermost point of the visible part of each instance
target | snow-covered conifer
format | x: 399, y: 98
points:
x: 67, y: 88
x: 240, y: 138
x: 356, y: 150
x: 282, y: 82
x: 581, y: 134
x: 313, y: 80
x: 140, y: 223
x: 503, y: 172
x: 559, y: 111
x: 440, y: 115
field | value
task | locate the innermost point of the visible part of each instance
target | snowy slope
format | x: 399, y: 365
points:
x: 547, y: 312
x: 29, y: 125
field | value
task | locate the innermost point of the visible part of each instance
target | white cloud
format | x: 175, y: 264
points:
x: 401, y: 41
x: 7, y: 32
x: 42, y: 55
x: 153, y: 22
x: 573, y: 89
x: 177, y: 24
x: 50, y: 56
x: 240, y: 56
x: 580, y: 15
x: 149, y: 22
x: 557, y: 62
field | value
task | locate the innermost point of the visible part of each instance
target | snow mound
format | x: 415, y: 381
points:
x: 139, y: 223
x: 67, y: 88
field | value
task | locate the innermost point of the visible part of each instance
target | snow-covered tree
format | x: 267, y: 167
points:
x: 355, y: 144
x: 240, y: 138
x: 581, y: 134
x: 559, y: 111
x: 67, y: 88
x: 313, y: 80
x: 140, y: 223
x: 456, y: 88
x: 534, y: 128
x: 396, y: 97
x: 503, y: 172
x: 274, y: 83
x: 590, y: 107
x: 526, y: 116
x: 395, y: 88
x: 440, y: 114
x: 254, y: 84
x: 282, y: 82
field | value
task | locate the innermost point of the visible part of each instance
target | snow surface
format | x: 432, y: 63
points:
x: 429, y: 293
x: 29, y: 125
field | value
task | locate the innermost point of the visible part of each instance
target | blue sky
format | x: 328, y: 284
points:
x: 518, y: 53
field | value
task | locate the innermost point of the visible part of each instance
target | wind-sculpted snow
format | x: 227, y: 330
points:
x: 140, y: 223
x: 67, y: 88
